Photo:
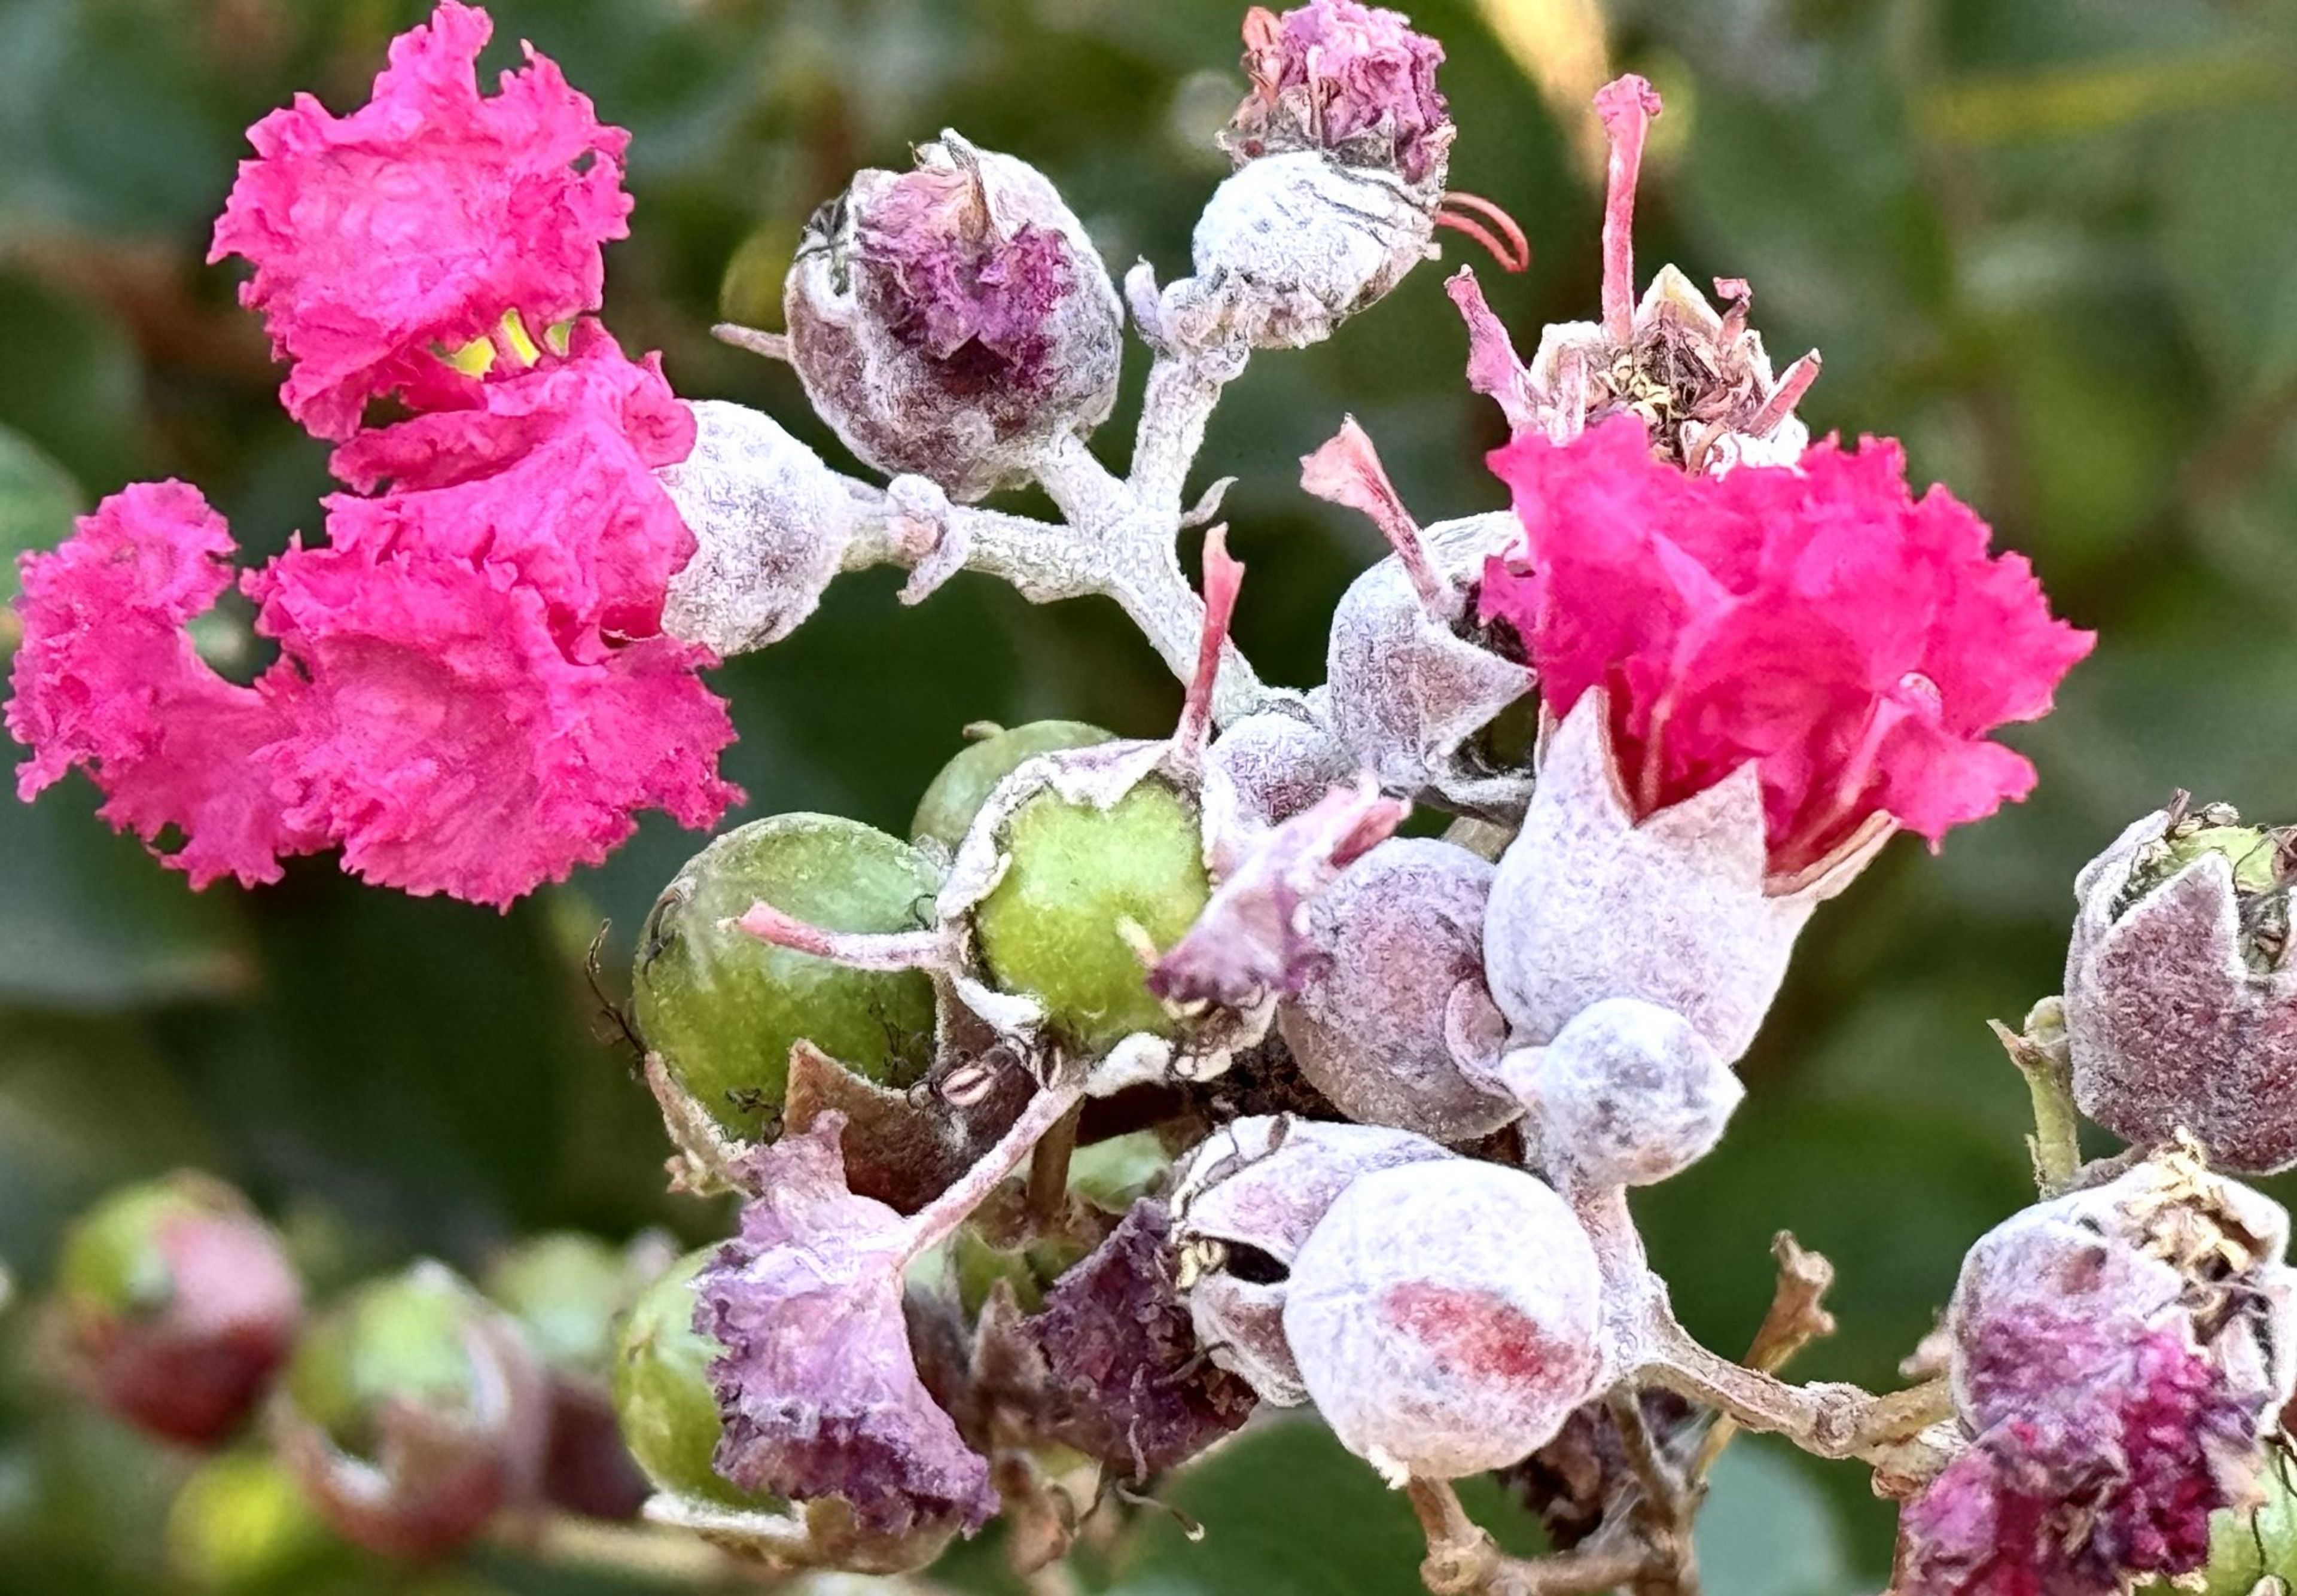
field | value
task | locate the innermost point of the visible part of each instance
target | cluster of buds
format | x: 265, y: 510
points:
x: 1675, y: 697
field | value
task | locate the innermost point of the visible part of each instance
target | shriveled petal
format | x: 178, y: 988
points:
x: 818, y: 1388
x: 421, y: 218
x: 108, y: 678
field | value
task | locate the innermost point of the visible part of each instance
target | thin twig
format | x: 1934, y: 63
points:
x: 1797, y: 1317
x: 2041, y: 1057
x: 1463, y: 1560
x: 635, y: 1550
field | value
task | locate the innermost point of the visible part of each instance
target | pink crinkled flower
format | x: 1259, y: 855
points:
x: 1853, y: 642
x: 450, y: 743
x: 107, y: 678
x: 421, y: 219
x: 1348, y: 78
x: 549, y: 474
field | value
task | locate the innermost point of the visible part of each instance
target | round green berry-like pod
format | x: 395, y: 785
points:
x: 405, y: 1341
x: 1087, y: 892
x: 723, y: 1009
x: 945, y: 813
x: 566, y: 1289
x: 662, y: 1397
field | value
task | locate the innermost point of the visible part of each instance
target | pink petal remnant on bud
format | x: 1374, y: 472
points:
x: 421, y: 218
x: 957, y: 287
x: 1494, y: 368
x: 1223, y: 579
x: 1251, y: 939
x: 1341, y: 75
x: 1345, y: 470
x: 1854, y: 643
x: 107, y: 678
x: 1626, y: 106
x: 818, y: 1388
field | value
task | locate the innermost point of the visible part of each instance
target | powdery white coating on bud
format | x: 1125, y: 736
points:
x: 2119, y: 1355
x: 1587, y: 904
x: 1291, y: 245
x: 1446, y: 1317
x: 954, y: 321
x: 2172, y: 1022
x: 1279, y: 761
x: 1394, y: 1018
x: 1244, y: 1202
x: 1410, y: 691
x: 1627, y: 1094
x: 770, y: 523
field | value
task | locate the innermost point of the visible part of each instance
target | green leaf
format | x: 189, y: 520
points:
x: 37, y: 501
x: 1767, y: 1530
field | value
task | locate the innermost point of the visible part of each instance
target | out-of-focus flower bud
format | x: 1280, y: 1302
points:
x: 953, y: 321
x: 178, y: 1302
x: 723, y: 1009
x: 239, y: 1525
x: 1392, y: 1013
x: 662, y: 1394
x: 412, y: 1413
x: 2120, y: 1355
x: 1590, y: 903
x: 956, y: 794
x: 2181, y: 1008
x: 1446, y: 1317
x: 770, y: 523
x: 567, y: 1290
x: 1243, y: 1205
x: 1627, y: 1094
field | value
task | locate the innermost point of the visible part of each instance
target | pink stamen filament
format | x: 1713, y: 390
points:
x: 1222, y: 578
x: 1346, y: 471
x: 1514, y: 255
x: 855, y: 949
x: 1626, y: 106
x: 1793, y: 384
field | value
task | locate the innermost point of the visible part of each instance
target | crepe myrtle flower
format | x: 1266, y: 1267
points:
x: 419, y: 221
x: 953, y: 321
x: 1758, y: 677
x: 2180, y: 1004
x: 1698, y: 380
x: 2119, y: 1356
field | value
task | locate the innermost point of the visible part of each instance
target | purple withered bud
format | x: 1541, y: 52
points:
x: 1251, y: 939
x: 1414, y: 682
x: 818, y: 1388
x: 1119, y: 1372
x: 1278, y: 761
x: 770, y: 523
x: 2180, y: 1003
x: 1341, y: 77
x: 1627, y: 1094
x: 1589, y: 903
x: 1446, y: 1317
x: 2119, y: 1355
x: 1244, y: 1202
x: 953, y: 321
x: 1393, y: 1021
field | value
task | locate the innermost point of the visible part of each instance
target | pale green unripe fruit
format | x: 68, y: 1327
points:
x: 723, y: 1009
x: 662, y: 1397
x: 945, y: 813
x: 402, y: 1340
x: 1087, y: 893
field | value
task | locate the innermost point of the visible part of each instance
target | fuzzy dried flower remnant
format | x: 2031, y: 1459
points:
x: 1340, y: 76
x: 420, y: 219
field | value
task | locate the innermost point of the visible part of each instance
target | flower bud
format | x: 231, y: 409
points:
x: 723, y: 1009
x: 412, y: 1413
x: 1446, y: 1317
x: 1279, y: 761
x: 1394, y: 1009
x: 956, y: 794
x: 953, y: 321
x: 1243, y: 1205
x: 770, y: 523
x: 1627, y: 1094
x: 178, y: 1303
x: 662, y: 1396
x: 566, y: 1290
x: 1590, y: 903
x: 2119, y: 1354
x: 1416, y: 689
x: 2181, y: 1009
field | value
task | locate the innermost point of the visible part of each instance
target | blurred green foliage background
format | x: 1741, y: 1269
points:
x: 2050, y: 244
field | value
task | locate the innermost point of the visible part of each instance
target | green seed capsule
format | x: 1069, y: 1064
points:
x: 661, y: 1390
x: 1088, y: 891
x: 723, y: 1009
x: 404, y: 1341
x: 945, y: 813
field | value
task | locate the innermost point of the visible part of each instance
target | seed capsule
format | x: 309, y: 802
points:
x: 663, y: 1395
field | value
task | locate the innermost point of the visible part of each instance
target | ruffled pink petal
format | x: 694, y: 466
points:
x: 451, y: 745
x: 551, y: 478
x: 420, y: 219
x: 1854, y: 644
x: 107, y: 678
